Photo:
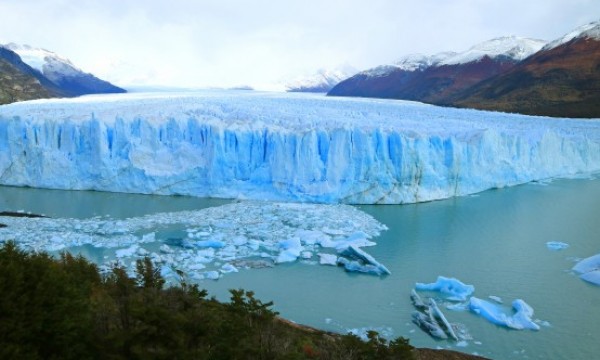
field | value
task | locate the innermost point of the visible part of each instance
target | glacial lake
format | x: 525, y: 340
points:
x: 495, y: 240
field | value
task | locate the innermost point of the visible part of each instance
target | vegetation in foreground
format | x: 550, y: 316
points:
x: 65, y: 309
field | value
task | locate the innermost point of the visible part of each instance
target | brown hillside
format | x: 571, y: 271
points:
x: 563, y: 82
x: 17, y: 86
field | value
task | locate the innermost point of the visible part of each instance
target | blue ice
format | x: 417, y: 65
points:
x: 494, y: 313
x: 454, y: 289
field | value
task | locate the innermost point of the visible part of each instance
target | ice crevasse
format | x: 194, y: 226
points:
x: 284, y: 147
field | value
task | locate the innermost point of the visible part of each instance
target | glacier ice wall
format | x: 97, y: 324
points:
x: 284, y: 147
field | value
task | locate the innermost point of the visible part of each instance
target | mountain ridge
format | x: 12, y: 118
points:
x: 560, y: 78
x: 71, y: 80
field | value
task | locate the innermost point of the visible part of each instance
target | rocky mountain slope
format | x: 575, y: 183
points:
x: 510, y: 74
x: 71, y: 80
x: 19, y: 82
x: 433, y: 78
x: 563, y: 79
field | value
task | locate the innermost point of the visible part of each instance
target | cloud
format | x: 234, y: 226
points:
x: 235, y: 42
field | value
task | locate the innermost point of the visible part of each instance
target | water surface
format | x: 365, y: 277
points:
x: 495, y: 241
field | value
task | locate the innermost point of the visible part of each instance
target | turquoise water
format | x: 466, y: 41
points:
x: 494, y: 241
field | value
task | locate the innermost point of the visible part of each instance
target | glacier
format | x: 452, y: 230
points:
x: 284, y: 147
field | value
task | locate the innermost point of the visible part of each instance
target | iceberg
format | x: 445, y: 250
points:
x: 328, y: 259
x: 589, y: 269
x: 494, y: 313
x: 363, y: 263
x: 428, y: 324
x: 556, y: 245
x: 454, y: 289
x: 439, y: 315
x: 284, y: 147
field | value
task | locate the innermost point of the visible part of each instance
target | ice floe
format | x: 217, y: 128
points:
x: 556, y: 245
x: 212, y: 241
x: 494, y: 313
x: 453, y: 289
x: 589, y: 269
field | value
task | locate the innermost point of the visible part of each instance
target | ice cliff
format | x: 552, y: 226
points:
x: 289, y: 147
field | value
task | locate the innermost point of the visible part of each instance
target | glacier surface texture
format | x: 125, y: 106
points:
x: 284, y: 147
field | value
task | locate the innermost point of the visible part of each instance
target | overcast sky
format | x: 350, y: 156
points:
x: 237, y: 42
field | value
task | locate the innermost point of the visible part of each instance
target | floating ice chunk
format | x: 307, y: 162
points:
x: 210, y: 243
x: 355, y: 266
x: 439, y: 315
x: 196, y: 266
x: 417, y: 301
x: 368, y: 260
x: 150, y: 237
x: 212, y: 275
x: 328, y: 259
x: 228, y: 268
x: 291, y: 243
x: 291, y: 249
x: 453, y: 288
x: 428, y: 324
x: 521, y: 319
x: 588, y: 264
x: 357, y: 239
x: 497, y: 299
x: 592, y: 277
x: 129, y: 252
x: 306, y: 255
x: 289, y: 255
x: 556, y: 245
x: 206, y: 253
x: 589, y: 269
x: 166, y: 249
x: 239, y: 240
x: 56, y: 243
x: 311, y: 237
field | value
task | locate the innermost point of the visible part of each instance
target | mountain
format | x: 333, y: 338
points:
x: 434, y: 78
x: 562, y: 79
x: 18, y: 81
x: 322, y: 81
x: 71, y: 80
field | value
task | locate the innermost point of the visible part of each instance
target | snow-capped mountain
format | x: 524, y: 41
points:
x: 562, y: 79
x: 71, y: 80
x: 512, y: 48
x: 321, y: 81
x: 412, y: 62
x: 436, y: 78
x: 18, y: 81
x: 587, y: 31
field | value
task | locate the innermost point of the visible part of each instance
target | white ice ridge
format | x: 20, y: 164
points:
x: 284, y: 147
x: 214, y: 241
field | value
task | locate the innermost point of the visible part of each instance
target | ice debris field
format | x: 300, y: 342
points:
x: 430, y: 318
x: 214, y: 241
x: 284, y: 147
